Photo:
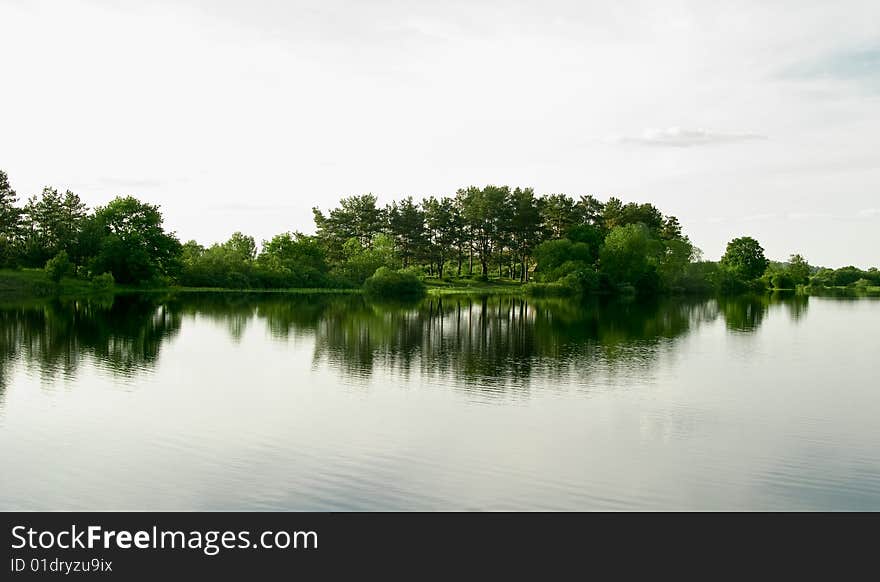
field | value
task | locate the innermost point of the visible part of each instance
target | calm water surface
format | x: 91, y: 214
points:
x: 331, y: 403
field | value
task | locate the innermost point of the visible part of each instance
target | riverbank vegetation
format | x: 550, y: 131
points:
x: 494, y: 238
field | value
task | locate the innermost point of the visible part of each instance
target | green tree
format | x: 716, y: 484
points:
x: 798, y: 270
x: 298, y: 258
x: 58, y: 266
x: 525, y: 227
x: 482, y: 212
x: 388, y: 284
x: 629, y: 257
x: 133, y: 244
x: 745, y: 257
x: 444, y: 231
x: 74, y: 214
x: 673, y: 267
x: 10, y: 222
x: 242, y: 246
x: 558, y: 213
x: 53, y: 223
x: 616, y: 213
x: 191, y: 251
x: 557, y: 257
x: 360, y: 262
x: 590, y: 210
x: 591, y: 235
x: 357, y: 217
x: 406, y: 225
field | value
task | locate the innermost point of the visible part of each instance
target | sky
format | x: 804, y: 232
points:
x: 758, y: 118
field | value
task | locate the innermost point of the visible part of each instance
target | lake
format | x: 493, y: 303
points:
x: 331, y: 402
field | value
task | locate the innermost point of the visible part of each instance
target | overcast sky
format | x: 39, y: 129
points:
x: 756, y: 118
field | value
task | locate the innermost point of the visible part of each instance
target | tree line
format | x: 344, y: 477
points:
x: 557, y: 243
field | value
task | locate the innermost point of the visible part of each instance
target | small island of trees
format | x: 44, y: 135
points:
x: 481, y: 237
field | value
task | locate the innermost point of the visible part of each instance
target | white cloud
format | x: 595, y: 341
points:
x: 680, y: 137
x: 281, y: 106
x: 810, y: 215
x: 759, y: 217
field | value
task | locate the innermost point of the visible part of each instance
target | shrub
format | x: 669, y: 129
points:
x: 728, y: 282
x: 58, y: 266
x: 386, y: 283
x: 417, y: 270
x: 103, y: 281
x: 782, y: 280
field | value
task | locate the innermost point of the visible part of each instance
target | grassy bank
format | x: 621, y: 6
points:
x: 291, y: 291
x: 849, y: 291
x: 499, y: 286
x: 434, y: 287
x: 35, y: 283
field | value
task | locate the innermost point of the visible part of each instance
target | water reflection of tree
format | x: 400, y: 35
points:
x: 123, y: 334
x: 744, y: 313
x: 795, y: 303
x: 490, y: 341
x: 496, y: 340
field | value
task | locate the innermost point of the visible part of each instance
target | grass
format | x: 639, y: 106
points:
x: 871, y: 290
x: 464, y: 286
x: 291, y: 290
x: 35, y: 283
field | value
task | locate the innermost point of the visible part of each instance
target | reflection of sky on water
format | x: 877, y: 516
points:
x: 330, y: 402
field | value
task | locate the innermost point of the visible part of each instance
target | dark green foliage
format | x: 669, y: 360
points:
x: 294, y: 258
x: 616, y: 214
x: 590, y: 235
x: 697, y: 277
x: 553, y: 254
x: 50, y: 224
x: 629, y: 258
x: 103, y: 281
x: 132, y: 243
x: 482, y: 235
x: 782, y: 280
x: 444, y: 233
x: 406, y: 225
x: 798, y: 270
x: 559, y: 214
x: 525, y: 227
x: 846, y: 276
x: 288, y: 260
x: 360, y: 262
x: 745, y: 257
x: 10, y: 223
x: 388, y: 284
x: 58, y: 267
x: 357, y: 217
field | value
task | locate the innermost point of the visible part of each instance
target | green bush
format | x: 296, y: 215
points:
x: 103, y: 281
x: 58, y: 266
x: 417, y: 270
x: 386, y: 283
x: 782, y: 280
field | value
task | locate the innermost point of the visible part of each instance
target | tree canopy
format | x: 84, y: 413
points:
x: 556, y: 242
